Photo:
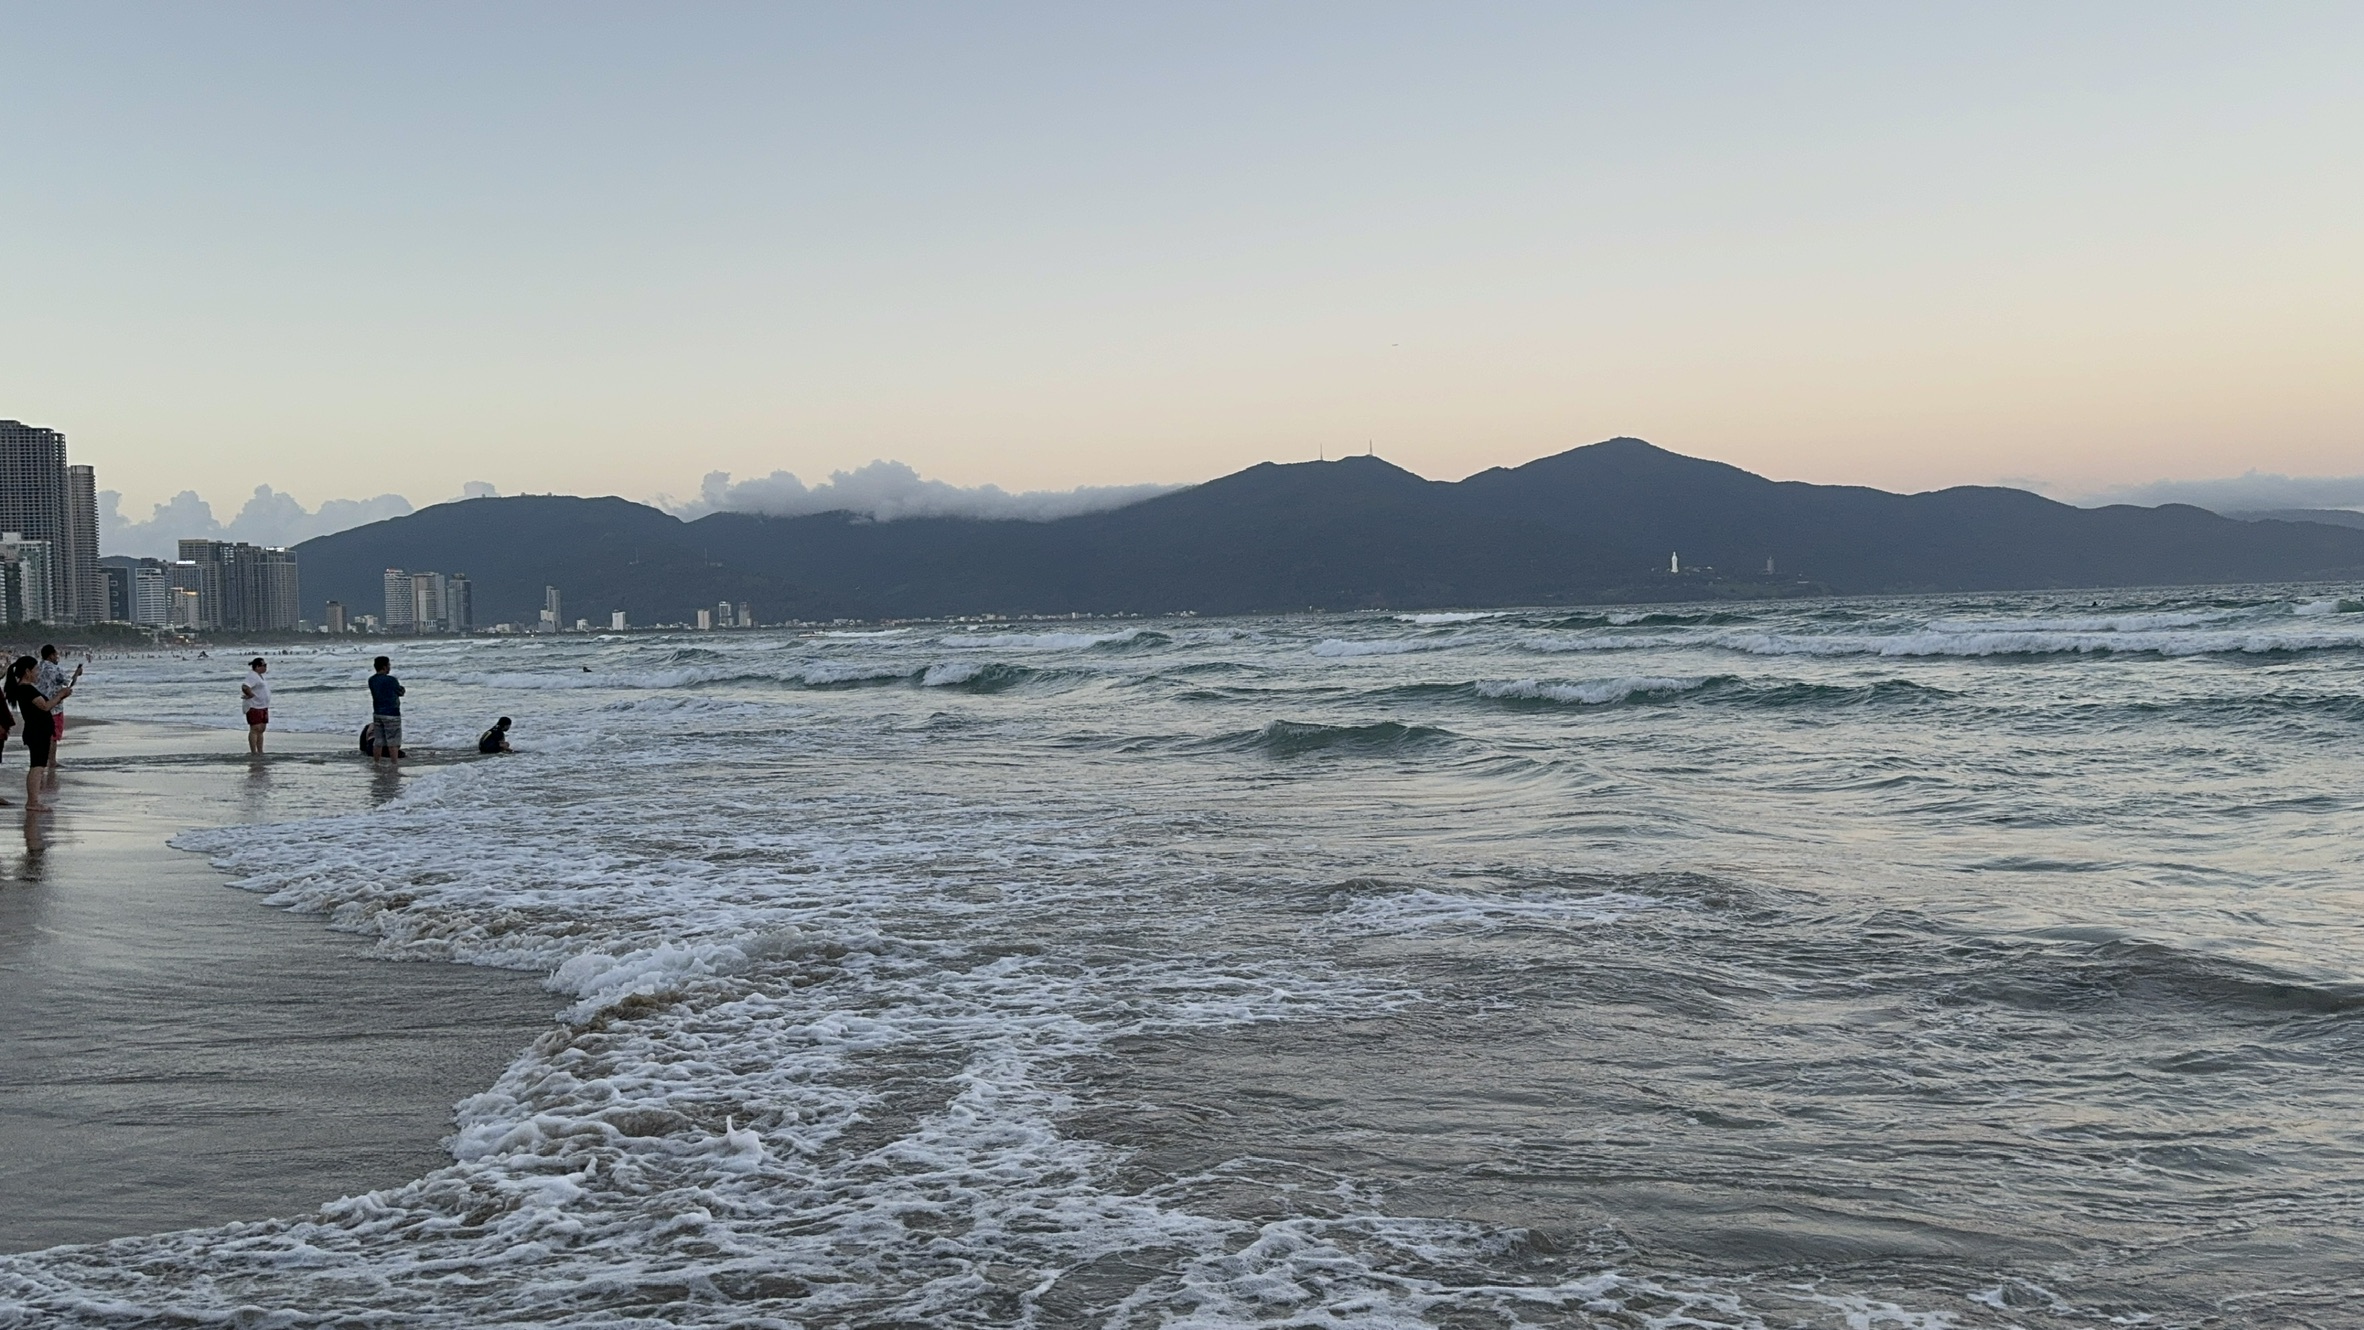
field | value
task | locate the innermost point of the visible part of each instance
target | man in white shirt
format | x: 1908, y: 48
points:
x: 255, y: 695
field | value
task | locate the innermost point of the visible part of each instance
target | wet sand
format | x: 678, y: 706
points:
x: 173, y: 1052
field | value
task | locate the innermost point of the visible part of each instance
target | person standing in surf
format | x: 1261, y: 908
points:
x: 51, y: 679
x: 40, y: 734
x: 385, y: 704
x: 255, y: 696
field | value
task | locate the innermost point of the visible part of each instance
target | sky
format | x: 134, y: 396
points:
x: 360, y: 250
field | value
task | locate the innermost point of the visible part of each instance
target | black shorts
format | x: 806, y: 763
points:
x: 39, y: 740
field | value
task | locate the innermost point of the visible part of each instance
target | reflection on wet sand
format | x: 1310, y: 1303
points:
x: 179, y: 1053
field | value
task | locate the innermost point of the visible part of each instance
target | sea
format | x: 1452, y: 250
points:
x: 1963, y: 961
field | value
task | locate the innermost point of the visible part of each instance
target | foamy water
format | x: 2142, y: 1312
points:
x: 1973, y: 962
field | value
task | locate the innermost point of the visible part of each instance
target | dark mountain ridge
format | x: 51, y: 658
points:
x: 1593, y: 524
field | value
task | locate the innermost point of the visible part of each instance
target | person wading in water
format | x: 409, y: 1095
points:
x: 385, y: 705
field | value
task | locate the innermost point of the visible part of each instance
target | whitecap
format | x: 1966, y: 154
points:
x: 1589, y: 692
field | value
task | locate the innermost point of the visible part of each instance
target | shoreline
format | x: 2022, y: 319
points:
x: 178, y: 1053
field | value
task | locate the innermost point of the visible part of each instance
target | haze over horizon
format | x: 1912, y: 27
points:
x: 610, y: 249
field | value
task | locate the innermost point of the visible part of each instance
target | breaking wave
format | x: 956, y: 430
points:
x: 1290, y: 738
x: 1588, y: 692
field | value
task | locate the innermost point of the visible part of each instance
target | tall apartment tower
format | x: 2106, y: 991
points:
x: 551, y: 623
x: 426, y: 603
x: 196, y: 597
x: 283, y: 595
x: 459, y: 604
x: 243, y: 587
x: 151, y: 593
x: 85, y: 598
x: 138, y: 590
x: 33, y: 499
x: 401, y: 608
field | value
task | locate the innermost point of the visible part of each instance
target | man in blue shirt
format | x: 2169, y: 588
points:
x: 385, y: 704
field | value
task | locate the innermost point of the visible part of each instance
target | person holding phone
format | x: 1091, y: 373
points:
x: 54, y: 683
x: 24, y: 691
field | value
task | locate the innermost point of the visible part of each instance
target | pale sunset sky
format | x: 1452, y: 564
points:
x: 608, y: 248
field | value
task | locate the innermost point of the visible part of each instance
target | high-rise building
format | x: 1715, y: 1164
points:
x: 151, y: 593
x: 28, y: 579
x: 459, y: 604
x: 746, y: 616
x: 335, y: 618
x: 202, y: 583
x: 400, y: 608
x: 283, y: 590
x: 551, y: 622
x: 722, y: 614
x: 133, y: 590
x: 32, y: 480
x: 617, y: 622
x: 426, y: 603
x: 44, y: 499
x: 705, y: 620
x: 245, y: 588
x: 85, y: 599
x: 117, y: 575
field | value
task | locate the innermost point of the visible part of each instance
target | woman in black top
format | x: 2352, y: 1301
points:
x: 40, y: 732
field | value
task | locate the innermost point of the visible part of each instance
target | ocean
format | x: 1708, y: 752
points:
x: 1967, y: 961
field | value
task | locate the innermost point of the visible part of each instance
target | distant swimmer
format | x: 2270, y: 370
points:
x: 40, y: 735
x: 496, y: 739
x: 255, y: 696
x: 385, y: 704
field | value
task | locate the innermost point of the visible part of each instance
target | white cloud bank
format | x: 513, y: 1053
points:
x: 887, y: 491
x: 2251, y: 491
x: 268, y: 518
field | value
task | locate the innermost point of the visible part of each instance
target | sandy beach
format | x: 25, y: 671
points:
x: 176, y: 1053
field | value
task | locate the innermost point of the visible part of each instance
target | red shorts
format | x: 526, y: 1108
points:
x: 258, y: 715
x: 57, y: 723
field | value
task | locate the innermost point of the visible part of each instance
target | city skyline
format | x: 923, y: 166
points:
x: 621, y: 248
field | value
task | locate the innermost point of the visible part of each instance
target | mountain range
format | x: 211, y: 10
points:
x: 1609, y: 522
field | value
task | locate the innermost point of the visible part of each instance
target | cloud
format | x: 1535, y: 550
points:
x: 2249, y: 492
x: 887, y: 491
x: 268, y: 518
